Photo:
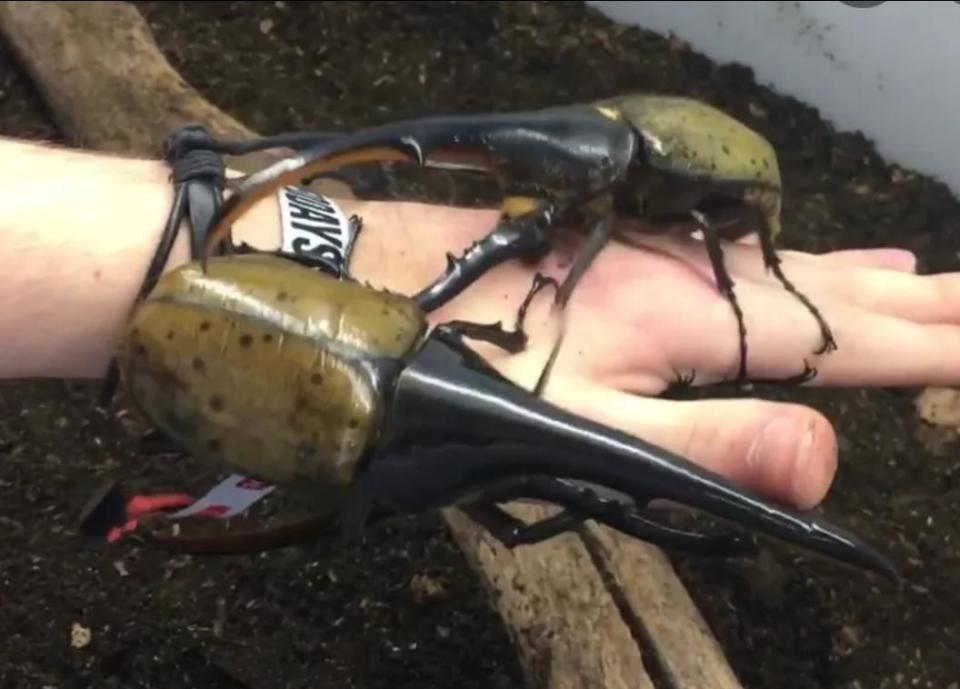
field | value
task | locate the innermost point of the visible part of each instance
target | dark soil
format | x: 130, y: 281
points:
x: 325, y: 617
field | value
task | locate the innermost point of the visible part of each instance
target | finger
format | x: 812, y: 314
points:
x: 899, y: 293
x: 786, y: 452
x: 874, y: 349
x: 928, y: 299
x: 881, y: 259
x: 881, y: 290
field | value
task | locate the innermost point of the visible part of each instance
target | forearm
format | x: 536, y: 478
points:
x: 80, y: 229
x: 78, y: 233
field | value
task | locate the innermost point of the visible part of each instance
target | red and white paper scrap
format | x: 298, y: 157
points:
x: 230, y: 497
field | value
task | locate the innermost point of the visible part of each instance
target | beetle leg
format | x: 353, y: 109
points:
x: 681, y: 384
x: 526, y: 235
x: 540, y: 281
x: 512, y: 341
x: 809, y: 373
x: 511, y: 531
x: 582, y: 503
x: 199, y: 177
x: 596, y: 241
x: 772, y: 261
x: 726, y: 285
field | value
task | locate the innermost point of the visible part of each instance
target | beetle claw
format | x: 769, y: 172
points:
x: 581, y: 502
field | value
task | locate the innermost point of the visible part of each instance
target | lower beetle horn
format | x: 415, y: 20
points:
x: 455, y: 424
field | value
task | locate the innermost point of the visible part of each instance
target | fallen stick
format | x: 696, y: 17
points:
x: 597, y: 611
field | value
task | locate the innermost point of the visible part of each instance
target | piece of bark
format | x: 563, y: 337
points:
x: 679, y: 641
x: 94, y: 65
x: 554, y: 601
x: 601, y: 612
x: 595, y: 610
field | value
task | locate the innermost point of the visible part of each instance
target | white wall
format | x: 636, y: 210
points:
x: 891, y: 71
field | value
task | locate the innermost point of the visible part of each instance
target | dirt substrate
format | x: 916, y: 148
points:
x: 325, y: 617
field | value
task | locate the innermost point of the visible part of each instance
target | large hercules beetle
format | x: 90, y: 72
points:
x: 312, y: 380
x: 663, y: 158
x: 315, y: 381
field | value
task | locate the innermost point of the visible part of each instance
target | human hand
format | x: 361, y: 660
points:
x: 645, y: 313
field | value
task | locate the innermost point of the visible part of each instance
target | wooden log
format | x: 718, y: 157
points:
x: 590, y: 611
x: 99, y: 70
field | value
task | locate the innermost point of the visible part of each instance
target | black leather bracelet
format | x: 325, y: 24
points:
x: 198, y: 175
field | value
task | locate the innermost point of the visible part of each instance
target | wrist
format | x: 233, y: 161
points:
x: 402, y: 246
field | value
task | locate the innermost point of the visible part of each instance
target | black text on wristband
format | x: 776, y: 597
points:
x: 314, y: 227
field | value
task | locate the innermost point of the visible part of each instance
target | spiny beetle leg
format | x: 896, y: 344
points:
x: 520, y: 237
x: 596, y: 241
x: 805, y: 376
x: 711, y: 228
x: 511, y: 531
x: 772, y: 261
x: 726, y: 286
x: 582, y: 503
x: 540, y: 282
x: 514, y: 341
x: 683, y: 382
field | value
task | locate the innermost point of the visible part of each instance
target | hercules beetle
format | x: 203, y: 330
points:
x: 664, y: 158
x: 303, y: 378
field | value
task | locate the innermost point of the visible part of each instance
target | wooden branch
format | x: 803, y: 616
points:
x: 109, y: 87
x: 598, y: 611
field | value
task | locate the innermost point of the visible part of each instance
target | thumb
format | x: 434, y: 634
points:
x: 786, y: 452
x: 899, y: 260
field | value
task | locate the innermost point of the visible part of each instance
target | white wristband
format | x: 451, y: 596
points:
x: 315, y: 227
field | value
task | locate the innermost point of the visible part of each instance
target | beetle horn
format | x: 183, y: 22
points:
x: 583, y: 137
x: 455, y: 424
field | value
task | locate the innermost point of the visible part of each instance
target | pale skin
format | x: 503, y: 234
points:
x: 80, y: 228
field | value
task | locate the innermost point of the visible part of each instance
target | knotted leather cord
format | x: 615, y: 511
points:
x: 199, y: 176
